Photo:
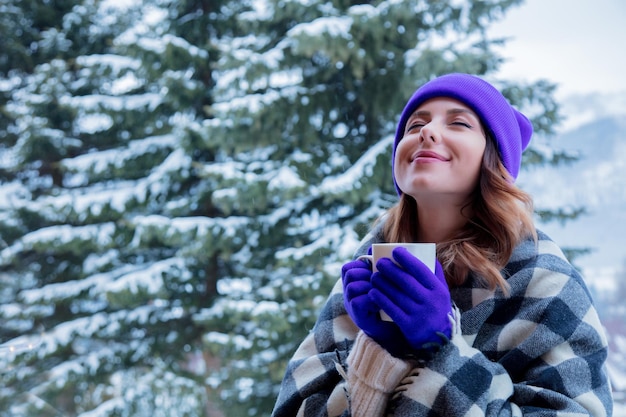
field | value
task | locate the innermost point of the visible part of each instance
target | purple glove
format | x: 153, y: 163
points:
x: 364, y: 312
x: 417, y: 300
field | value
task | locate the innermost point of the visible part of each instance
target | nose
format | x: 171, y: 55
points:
x: 429, y: 132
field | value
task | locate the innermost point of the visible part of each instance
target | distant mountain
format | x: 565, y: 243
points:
x: 595, y: 128
x: 582, y: 109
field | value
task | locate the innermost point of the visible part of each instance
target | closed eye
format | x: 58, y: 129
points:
x: 467, y: 125
x: 414, y: 127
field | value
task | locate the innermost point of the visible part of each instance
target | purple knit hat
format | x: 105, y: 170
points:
x: 508, y: 127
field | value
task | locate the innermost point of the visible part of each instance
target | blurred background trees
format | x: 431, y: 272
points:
x: 182, y: 180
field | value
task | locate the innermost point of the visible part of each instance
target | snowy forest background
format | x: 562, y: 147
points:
x: 181, y: 182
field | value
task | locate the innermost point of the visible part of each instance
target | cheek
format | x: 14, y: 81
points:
x: 476, y: 161
x: 480, y: 154
x: 397, y: 165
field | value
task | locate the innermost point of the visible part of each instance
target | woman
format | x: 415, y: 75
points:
x: 505, y: 325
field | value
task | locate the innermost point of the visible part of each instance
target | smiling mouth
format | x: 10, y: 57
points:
x: 427, y: 156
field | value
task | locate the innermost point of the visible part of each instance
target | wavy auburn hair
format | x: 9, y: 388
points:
x: 502, y: 217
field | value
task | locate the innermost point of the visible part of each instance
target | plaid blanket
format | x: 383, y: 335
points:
x: 540, y: 351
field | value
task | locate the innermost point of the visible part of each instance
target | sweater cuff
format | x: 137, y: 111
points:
x: 373, y: 374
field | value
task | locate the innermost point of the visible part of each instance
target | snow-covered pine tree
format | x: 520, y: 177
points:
x: 101, y: 277
x: 186, y: 180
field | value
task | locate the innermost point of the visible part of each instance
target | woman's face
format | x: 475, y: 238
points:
x: 441, y: 152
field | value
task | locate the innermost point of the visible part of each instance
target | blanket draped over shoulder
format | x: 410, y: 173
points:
x: 540, y: 351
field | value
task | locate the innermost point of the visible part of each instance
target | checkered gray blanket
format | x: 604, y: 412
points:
x: 540, y: 351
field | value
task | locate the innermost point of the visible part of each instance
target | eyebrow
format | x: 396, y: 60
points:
x: 451, y: 111
x: 459, y: 111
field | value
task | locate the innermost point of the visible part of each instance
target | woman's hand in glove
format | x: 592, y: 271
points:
x: 365, y: 312
x: 417, y: 300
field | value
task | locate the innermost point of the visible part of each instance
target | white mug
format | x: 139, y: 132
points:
x: 425, y: 252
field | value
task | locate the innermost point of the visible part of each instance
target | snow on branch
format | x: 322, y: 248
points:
x: 89, y: 199
x: 59, y: 291
x: 148, y: 279
x: 102, y: 161
x: 117, y: 63
x: 335, y: 26
x: 95, y: 102
x: 362, y: 168
x: 186, y: 229
x: 61, y: 236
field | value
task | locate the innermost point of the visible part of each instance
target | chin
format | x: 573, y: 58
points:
x: 420, y: 186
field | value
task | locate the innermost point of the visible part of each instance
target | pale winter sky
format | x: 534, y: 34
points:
x: 579, y: 44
